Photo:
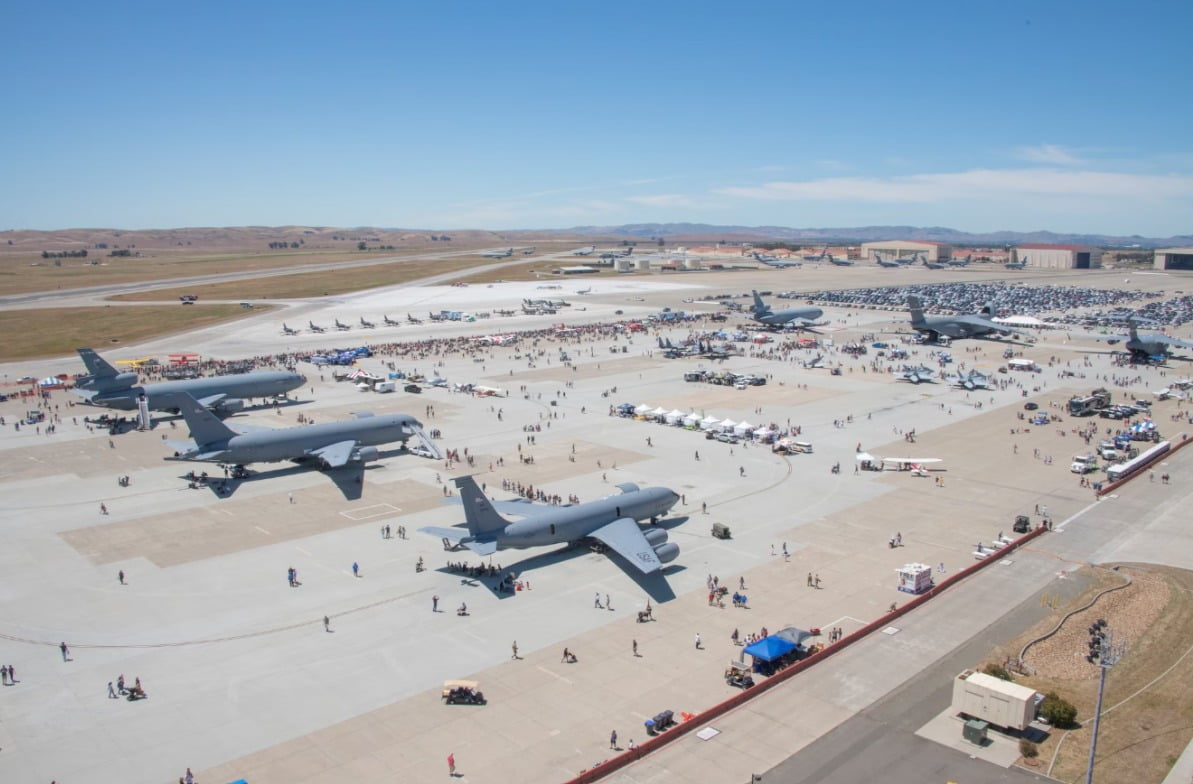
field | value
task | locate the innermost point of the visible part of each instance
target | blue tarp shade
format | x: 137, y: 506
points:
x: 770, y: 648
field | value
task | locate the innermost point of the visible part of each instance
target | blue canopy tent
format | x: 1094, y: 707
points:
x: 768, y: 649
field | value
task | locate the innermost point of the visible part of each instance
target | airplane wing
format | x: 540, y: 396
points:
x: 624, y: 537
x: 211, y: 400
x: 335, y: 455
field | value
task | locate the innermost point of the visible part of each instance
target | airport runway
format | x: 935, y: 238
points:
x: 243, y: 681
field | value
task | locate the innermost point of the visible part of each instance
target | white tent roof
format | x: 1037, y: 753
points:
x: 676, y: 413
x: 692, y: 419
x: 728, y: 423
x: 660, y: 411
x: 710, y: 420
x: 744, y: 425
x: 642, y: 409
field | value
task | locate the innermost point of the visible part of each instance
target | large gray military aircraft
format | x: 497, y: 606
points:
x: 1155, y: 347
x: 963, y: 326
x: 105, y: 386
x: 795, y: 317
x: 327, y: 445
x: 498, y: 254
x: 771, y: 260
x: 612, y: 520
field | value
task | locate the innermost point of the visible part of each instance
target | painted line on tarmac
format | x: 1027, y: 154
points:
x: 262, y: 530
x: 555, y: 675
x: 304, y: 552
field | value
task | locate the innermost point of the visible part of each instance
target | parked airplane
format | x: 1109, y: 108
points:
x: 1146, y: 348
x: 328, y: 445
x: 342, y: 327
x: 972, y: 380
x: 963, y: 326
x: 499, y: 254
x: 817, y: 257
x: 413, y: 319
x: 366, y: 324
x: 104, y: 386
x: 913, y: 464
x: 501, y: 312
x: 315, y: 328
x: 584, y: 291
x: 527, y: 251
x: 889, y: 262
x: 796, y: 317
x: 287, y: 330
x: 1016, y: 265
x: 935, y: 264
x: 961, y: 262
x: 587, y: 251
x: 839, y: 262
x: 916, y: 374
x: 612, y: 520
x: 775, y: 261
x: 391, y: 322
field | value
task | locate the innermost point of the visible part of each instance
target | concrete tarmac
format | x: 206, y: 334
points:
x: 244, y: 681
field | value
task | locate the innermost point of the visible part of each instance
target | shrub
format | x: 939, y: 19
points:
x: 1027, y: 749
x: 1058, y: 711
x: 997, y: 671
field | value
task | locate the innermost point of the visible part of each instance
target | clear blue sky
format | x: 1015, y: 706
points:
x: 1069, y: 116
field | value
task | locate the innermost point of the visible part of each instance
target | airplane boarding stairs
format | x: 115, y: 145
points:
x: 426, y: 446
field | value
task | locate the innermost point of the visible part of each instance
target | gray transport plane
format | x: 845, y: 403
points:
x: 107, y: 387
x: 1155, y: 347
x: 789, y: 317
x: 328, y: 445
x: 612, y: 520
x: 952, y: 327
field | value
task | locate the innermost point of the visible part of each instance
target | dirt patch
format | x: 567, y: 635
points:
x: 56, y: 332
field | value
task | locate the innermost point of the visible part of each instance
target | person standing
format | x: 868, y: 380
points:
x: 635, y: 647
x: 326, y: 624
x: 65, y: 651
x: 111, y: 691
x: 613, y: 739
x: 515, y: 647
x: 435, y: 603
x: 120, y: 576
x: 451, y: 764
x: 355, y: 569
x: 697, y: 640
x: 4, y: 676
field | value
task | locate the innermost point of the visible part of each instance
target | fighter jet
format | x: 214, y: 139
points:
x: 391, y: 322
x: 795, y: 317
x: 342, y: 327
x: 774, y: 261
x: 916, y: 374
x: 366, y: 324
x: 287, y: 330
x: 327, y: 445
x: 499, y: 254
x: 107, y: 387
x: 584, y: 291
x: 971, y: 380
x: 961, y: 262
x: 964, y: 326
x: 413, y: 320
x: 612, y: 520
x: 316, y: 328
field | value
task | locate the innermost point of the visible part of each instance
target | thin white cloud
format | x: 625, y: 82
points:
x: 1051, y: 154
x: 663, y: 200
x: 974, y: 185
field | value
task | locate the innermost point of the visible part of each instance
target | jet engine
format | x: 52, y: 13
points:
x: 656, y: 536
x: 667, y: 553
x: 367, y: 454
x: 229, y: 406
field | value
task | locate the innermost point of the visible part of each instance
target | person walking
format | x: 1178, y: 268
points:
x: 65, y: 651
x: 515, y: 647
x: 596, y: 601
x: 635, y: 647
x: 698, y: 644
x: 120, y: 576
x: 451, y: 764
x: 326, y: 624
x: 103, y: 508
x: 355, y: 569
x: 111, y: 691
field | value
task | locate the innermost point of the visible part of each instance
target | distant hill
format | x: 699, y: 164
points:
x: 691, y: 232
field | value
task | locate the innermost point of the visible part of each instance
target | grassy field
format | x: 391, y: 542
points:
x: 53, y: 332
x: 314, y: 284
x: 1152, y: 717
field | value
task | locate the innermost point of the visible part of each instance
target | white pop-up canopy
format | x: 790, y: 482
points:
x: 691, y: 420
x: 642, y: 409
x: 743, y: 427
x: 727, y: 424
x: 709, y: 422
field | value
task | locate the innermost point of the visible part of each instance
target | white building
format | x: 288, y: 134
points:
x: 904, y: 249
x: 1174, y: 258
x: 1058, y: 256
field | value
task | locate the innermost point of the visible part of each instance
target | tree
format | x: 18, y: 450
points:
x: 1058, y: 711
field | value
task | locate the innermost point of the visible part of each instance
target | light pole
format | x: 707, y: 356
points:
x: 1104, y: 652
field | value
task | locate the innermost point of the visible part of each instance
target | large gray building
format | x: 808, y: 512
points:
x: 1174, y: 258
x: 1058, y: 256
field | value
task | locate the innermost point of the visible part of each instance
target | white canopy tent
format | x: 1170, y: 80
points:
x: 674, y: 417
x: 709, y: 422
x: 726, y: 424
x: 691, y: 420
x: 642, y: 410
x: 743, y: 428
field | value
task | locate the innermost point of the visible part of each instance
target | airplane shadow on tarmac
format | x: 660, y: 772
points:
x: 350, y: 480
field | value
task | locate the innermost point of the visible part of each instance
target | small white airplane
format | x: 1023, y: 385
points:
x: 584, y: 291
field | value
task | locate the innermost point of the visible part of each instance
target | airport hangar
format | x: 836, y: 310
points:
x: 1174, y: 259
x: 1058, y: 256
x: 900, y: 249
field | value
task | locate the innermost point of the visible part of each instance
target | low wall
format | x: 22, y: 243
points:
x: 737, y: 700
x: 1110, y: 488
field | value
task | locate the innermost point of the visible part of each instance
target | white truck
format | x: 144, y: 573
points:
x: 1084, y: 464
x: 385, y: 386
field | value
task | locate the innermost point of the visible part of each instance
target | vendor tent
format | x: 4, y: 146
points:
x: 709, y: 422
x: 865, y: 457
x: 727, y: 424
x: 770, y: 648
x: 792, y: 634
x: 674, y: 417
x: 743, y: 428
x: 659, y: 412
x: 642, y: 409
x: 691, y: 420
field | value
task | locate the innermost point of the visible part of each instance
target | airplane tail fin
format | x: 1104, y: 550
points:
x: 205, y: 427
x: 916, y: 309
x: 97, y: 366
x: 481, y: 516
x: 988, y: 310
x: 759, y: 305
